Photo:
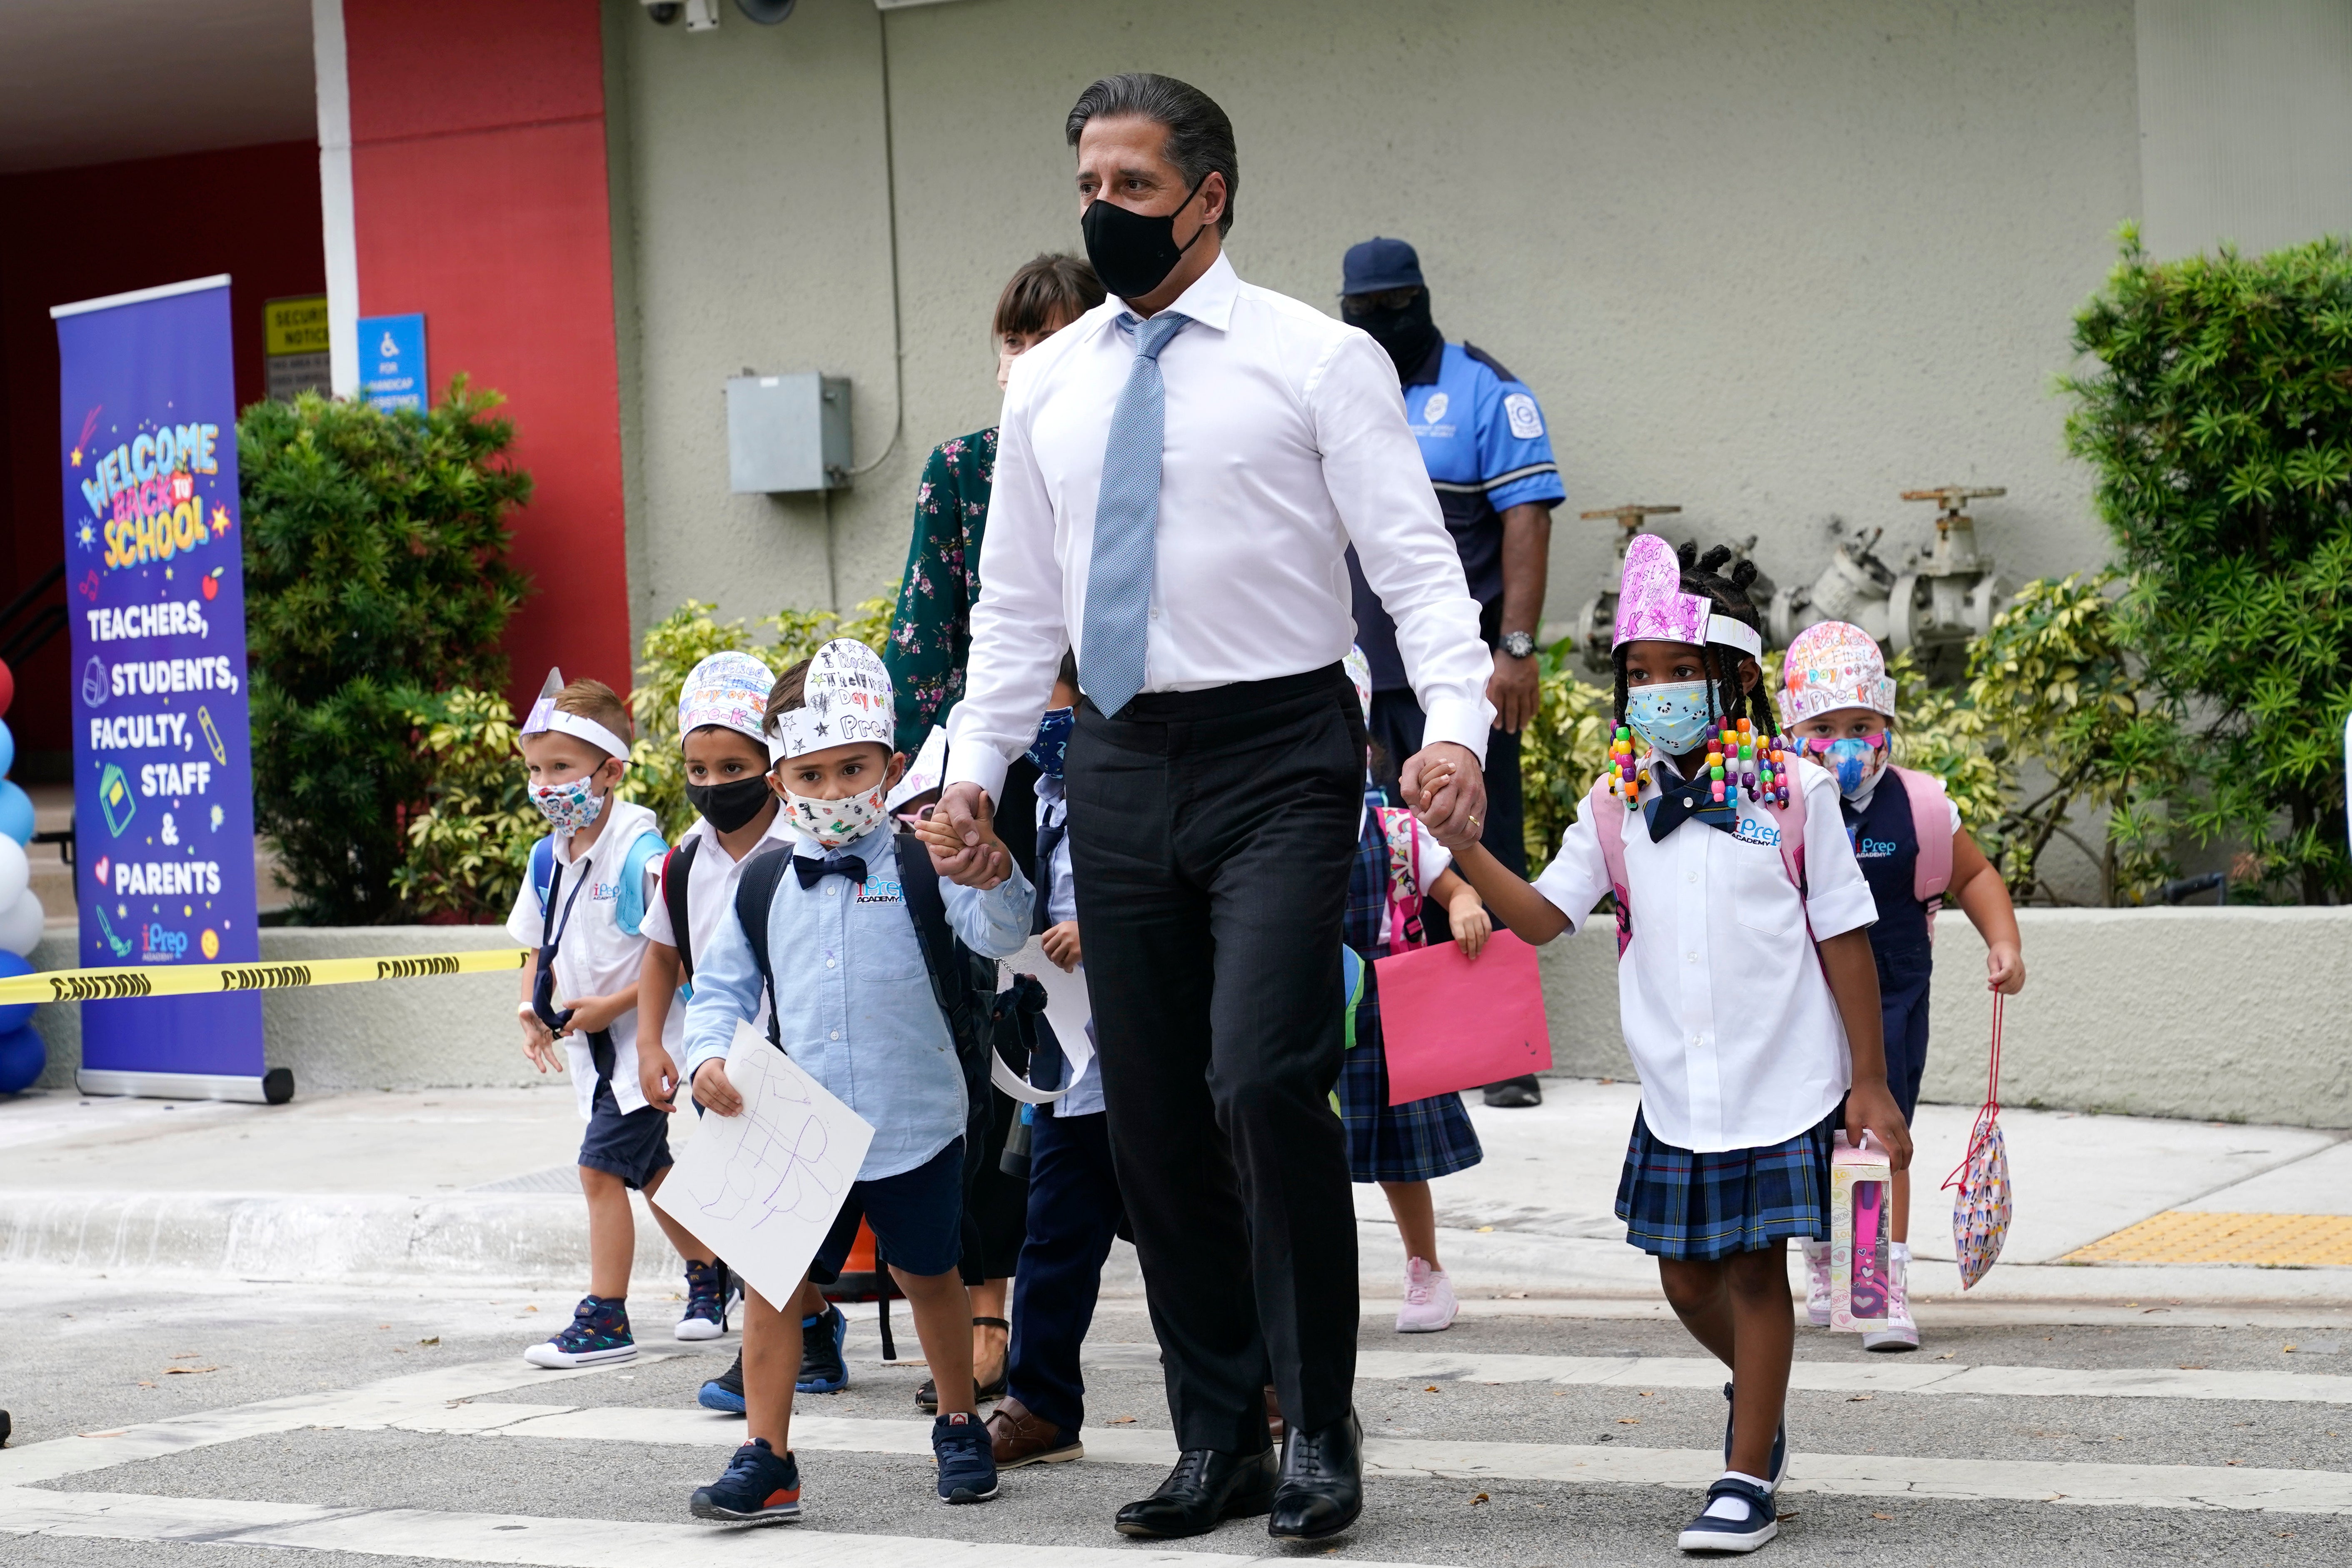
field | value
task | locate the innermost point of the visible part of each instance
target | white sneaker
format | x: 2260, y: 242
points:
x: 1429, y: 1303
x: 1817, y: 1283
x: 1900, y: 1333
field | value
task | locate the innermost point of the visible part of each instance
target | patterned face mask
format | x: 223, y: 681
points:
x: 568, y: 807
x: 1672, y: 716
x: 1053, y: 740
x: 834, y: 823
x: 1857, y: 760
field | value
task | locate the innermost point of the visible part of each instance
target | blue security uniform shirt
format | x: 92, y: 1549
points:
x: 854, y: 1002
x: 1482, y: 437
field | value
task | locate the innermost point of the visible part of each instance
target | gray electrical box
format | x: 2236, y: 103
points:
x: 787, y: 433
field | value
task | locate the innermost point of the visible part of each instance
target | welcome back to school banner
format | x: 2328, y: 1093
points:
x: 163, y: 780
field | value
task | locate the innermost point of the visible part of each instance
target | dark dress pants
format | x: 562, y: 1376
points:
x: 1211, y: 836
x: 1073, y: 1211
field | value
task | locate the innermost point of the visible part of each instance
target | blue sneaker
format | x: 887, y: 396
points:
x: 824, y: 1368
x: 1779, y: 1444
x: 967, y: 1459
x: 1740, y: 1516
x: 707, y: 1297
x: 725, y: 1392
x: 598, y: 1334
x: 758, y: 1489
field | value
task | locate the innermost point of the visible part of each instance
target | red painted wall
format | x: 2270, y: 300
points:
x: 78, y: 234
x: 478, y: 182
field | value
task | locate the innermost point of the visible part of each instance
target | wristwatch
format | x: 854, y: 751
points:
x: 1519, y: 645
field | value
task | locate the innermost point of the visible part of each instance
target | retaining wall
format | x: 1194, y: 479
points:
x: 2210, y: 1014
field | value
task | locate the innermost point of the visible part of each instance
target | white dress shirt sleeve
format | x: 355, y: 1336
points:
x: 1380, y: 485
x: 1578, y: 877
x: 1017, y: 630
x: 1837, y: 895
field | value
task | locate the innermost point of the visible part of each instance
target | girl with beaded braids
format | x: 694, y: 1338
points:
x: 1746, y: 989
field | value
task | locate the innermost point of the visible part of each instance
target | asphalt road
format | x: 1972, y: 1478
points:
x: 96, y: 1355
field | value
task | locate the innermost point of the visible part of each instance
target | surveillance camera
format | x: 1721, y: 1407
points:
x: 663, y: 12
x: 701, y: 16
x: 767, y: 12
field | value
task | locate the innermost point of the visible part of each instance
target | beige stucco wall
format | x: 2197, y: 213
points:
x: 2232, y: 1014
x: 1772, y: 262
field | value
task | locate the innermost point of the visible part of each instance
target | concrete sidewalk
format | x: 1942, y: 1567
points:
x: 480, y: 1184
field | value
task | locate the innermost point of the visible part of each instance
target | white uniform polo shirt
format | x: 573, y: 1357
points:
x: 710, y: 894
x: 1732, y: 1031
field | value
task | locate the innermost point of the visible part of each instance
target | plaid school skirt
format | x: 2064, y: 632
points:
x: 1697, y: 1207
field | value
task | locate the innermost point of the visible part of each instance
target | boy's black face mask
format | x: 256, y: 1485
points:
x: 729, y: 807
x: 1133, y: 252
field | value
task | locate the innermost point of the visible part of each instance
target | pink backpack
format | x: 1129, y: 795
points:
x: 1931, y: 876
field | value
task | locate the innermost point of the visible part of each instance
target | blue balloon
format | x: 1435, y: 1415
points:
x: 16, y: 812
x: 16, y: 1015
x: 7, y: 749
x: 22, y: 1058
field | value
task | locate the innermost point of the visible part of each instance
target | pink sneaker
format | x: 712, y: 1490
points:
x: 1428, y: 1299
x: 1900, y: 1333
x: 1817, y: 1283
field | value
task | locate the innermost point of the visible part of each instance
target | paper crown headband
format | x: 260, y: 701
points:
x: 546, y: 716
x: 1653, y: 607
x: 1831, y: 666
x: 731, y: 691
x: 846, y: 701
x: 925, y: 773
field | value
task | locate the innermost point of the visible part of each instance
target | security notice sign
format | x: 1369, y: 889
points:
x: 163, y: 787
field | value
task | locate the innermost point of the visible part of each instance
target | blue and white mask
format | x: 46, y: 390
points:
x: 1673, y: 717
x: 1053, y: 740
x: 1857, y: 760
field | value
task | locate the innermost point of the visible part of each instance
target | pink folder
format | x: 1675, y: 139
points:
x: 1450, y: 1023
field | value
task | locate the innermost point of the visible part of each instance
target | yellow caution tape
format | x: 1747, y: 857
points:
x: 210, y: 979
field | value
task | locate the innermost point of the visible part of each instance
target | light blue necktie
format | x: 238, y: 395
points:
x: 1127, y: 525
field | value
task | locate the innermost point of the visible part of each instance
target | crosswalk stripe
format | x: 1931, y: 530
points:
x: 1909, y: 1374
x: 546, y: 1542
x: 1850, y: 1475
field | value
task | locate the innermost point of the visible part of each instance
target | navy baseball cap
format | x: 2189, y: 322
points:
x: 1378, y: 265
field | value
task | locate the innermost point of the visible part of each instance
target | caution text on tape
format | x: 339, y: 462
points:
x: 206, y: 979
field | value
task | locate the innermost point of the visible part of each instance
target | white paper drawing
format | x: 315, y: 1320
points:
x: 1066, y: 1008
x: 762, y: 1188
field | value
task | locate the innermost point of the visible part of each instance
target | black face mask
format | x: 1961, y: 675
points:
x: 1407, y: 333
x: 1132, y: 253
x: 729, y: 807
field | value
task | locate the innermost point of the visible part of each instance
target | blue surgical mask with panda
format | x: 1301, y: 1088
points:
x: 1053, y: 739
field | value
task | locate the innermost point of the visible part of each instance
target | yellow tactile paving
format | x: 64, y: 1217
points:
x: 2186, y: 1236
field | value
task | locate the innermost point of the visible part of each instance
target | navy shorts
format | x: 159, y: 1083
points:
x: 917, y: 1215
x: 631, y: 1144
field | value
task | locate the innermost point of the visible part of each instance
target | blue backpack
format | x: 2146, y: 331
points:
x: 632, y: 875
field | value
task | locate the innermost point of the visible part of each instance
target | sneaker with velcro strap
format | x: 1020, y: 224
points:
x: 597, y: 1335
x: 824, y: 1369
x: 967, y: 1459
x: 1740, y: 1516
x: 761, y: 1487
x: 725, y: 1392
x: 709, y: 1294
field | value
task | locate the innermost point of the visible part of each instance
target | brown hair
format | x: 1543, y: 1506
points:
x: 789, y: 695
x: 1046, y: 292
x: 594, y: 699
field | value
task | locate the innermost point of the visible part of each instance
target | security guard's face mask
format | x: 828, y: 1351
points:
x: 1405, y: 331
x: 1133, y: 252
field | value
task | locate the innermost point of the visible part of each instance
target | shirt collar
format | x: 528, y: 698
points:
x: 1210, y: 299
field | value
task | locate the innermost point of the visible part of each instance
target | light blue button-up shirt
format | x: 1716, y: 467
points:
x: 854, y: 1004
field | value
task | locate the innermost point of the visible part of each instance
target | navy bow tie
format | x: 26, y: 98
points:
x: 811, y: 872
x: 1680, y: 802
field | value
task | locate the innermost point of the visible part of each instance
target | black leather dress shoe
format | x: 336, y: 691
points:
x: 1322, y: 1487
x: 1205, y: 1486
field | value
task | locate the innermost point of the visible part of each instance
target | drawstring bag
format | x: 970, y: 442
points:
x: 1980, y: 1212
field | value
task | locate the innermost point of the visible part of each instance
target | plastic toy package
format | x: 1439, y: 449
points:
x: 1862, y: 1237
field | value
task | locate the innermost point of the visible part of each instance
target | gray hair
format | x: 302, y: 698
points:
x: 1200, y: 137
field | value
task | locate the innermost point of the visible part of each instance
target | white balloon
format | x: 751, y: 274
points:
x: 16, y: 871
x: 21, y: 922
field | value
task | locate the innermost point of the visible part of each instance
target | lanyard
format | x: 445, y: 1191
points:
x: 542, y: 986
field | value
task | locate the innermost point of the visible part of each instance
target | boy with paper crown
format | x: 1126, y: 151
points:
x: 1837, y: 702
x: 834, y: 935
x: 720, y: 709
x: 1745, y: 988
x: 582, y: 908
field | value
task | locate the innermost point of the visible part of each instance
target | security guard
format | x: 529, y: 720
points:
x: 1482, y: 435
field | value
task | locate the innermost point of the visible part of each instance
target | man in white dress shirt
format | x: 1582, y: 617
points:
x: 1180, y: 475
